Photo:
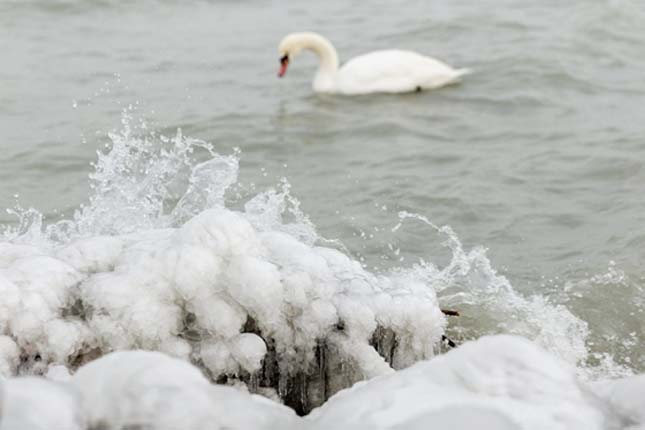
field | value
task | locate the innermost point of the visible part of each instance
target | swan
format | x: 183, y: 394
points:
x: 386, y: 71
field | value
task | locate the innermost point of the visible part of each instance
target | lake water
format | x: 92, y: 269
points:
x: 538, y: 156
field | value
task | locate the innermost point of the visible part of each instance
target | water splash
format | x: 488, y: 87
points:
x: 489, y: 304
x: 28, y: 228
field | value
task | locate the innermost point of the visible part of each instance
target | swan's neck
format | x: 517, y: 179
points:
x: 326, y: 76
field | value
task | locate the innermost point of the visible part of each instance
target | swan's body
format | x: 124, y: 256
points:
x: 388, y: 71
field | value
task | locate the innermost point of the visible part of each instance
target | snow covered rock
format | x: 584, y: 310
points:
x: 142, y: 389
x: 494, y: 383
x: 135, y: 387
x: 225, y: 291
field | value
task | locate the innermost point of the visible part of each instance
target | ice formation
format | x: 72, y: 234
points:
x: 218, y: 292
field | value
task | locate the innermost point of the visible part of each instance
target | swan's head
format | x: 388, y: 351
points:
x: 294, y: 43
x: 289, y: 47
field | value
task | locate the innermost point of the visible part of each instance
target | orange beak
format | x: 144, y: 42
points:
x: 284, y: 63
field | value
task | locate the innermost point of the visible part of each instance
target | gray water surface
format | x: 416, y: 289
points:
x: 538, y: 156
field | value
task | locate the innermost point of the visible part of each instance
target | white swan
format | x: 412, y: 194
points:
x: 389, y: 71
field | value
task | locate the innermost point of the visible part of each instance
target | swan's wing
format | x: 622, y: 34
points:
x: 394, y: 71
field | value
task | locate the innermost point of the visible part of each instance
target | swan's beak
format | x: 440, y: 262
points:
x: 284, y: 63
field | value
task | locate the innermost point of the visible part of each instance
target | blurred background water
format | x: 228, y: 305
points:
x: 538, y: 156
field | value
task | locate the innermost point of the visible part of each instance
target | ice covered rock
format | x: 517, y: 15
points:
x: 142, y: 389
x: 498, y: 382
x: 226, y: 291
x: 37, y: 290
x: 132, y: 387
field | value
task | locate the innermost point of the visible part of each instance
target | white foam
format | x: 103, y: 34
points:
x: 491, y: 304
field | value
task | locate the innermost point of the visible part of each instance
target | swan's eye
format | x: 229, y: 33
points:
x: 284, y: 60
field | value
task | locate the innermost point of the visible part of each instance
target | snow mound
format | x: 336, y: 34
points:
x: 151, y: 390
x: 498, y: 382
